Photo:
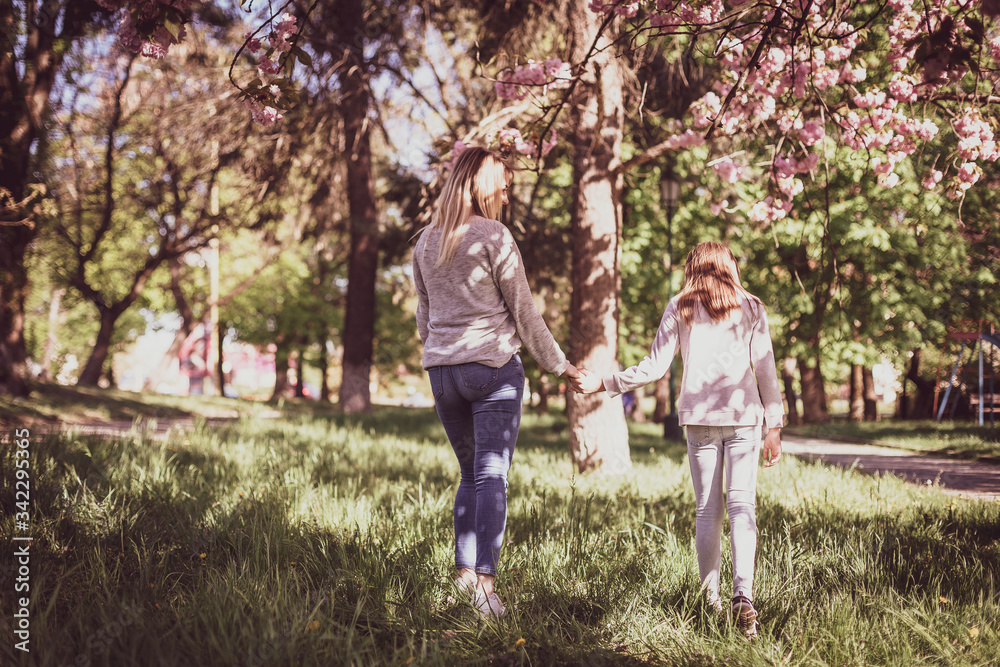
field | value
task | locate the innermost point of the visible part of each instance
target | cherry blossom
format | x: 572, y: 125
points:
x: 811, y: 84
x: 523, y: 80
x: 510, y: 138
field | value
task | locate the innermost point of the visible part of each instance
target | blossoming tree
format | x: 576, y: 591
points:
x: 793, y: 77
x: 886, y: 79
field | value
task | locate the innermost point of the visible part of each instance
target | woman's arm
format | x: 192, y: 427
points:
x: 513, y: 285
x: 422, y: 301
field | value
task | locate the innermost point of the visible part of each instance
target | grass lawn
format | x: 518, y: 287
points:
x: 965, y: 439
x: 327, y: 540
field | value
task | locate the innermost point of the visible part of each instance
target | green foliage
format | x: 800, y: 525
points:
x: 329, y: 541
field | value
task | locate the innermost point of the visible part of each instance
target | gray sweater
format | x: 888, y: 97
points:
x: 479, y: 307
x: 730, y: 378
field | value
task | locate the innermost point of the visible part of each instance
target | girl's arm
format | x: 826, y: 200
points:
x: 655, y: 364
x: 764, y: 368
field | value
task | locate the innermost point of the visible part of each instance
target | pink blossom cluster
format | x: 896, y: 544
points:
x: 279, y: 41
x: 975, y: 137
x: 262, y: 114
x: 769, y: 209
x: 933, y: 178
x: 519, y: 81
x: 143, y: 26
x: 728, y: 171
x: 812, y: 85
x: 263, y: 104
x: 968, y: 174
x: 510, y: 138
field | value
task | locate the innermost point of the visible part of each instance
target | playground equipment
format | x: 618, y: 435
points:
x: 984, y: 333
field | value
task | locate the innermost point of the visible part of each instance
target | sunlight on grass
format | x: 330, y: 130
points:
x: 328, y: 540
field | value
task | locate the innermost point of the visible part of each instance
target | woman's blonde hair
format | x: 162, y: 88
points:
x: 474, y: 187
x: 711, y: 278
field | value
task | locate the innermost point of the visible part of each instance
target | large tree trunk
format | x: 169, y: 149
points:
x: 598, y: 432
x: 25, y: 86
x: 91, y: 373
x: 788, y: 378
x: 359, y: 312
x: 814, y: 408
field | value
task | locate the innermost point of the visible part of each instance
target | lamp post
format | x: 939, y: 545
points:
x: 670, y: 190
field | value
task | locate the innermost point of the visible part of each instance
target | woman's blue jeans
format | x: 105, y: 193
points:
x: 480, y: 409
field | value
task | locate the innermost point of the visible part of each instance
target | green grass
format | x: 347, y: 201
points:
x: 965, y: 439
x: 327, y: 540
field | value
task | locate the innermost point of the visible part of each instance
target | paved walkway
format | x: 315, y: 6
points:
x: 959, y: 477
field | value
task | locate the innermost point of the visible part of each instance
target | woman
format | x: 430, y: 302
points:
x: 728, y: 389
x: 474, y: 311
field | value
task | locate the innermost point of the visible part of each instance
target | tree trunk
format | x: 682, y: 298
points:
x: 788, y: 378
x: 923, y: 402
x: 91, y: 373
x: 13, y: 290
x: 300, y: 386
x: 24, y: 102
x: 109, y: 373
x: 324, y: 371
x: 638, y: 416
x: 187, y: 324
x: 221, y: 366
x: 598, y: 432
x: 869, y: 399
x: 814, y: 408
x: 52, y: 337
x: 359, y: 312
x: 544, y: 389
x: 280, y: 373
x: 662, y: 398
x: 856, y: 412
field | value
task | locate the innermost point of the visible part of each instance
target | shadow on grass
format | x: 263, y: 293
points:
x: 380, y: 588
x: 54, y: 403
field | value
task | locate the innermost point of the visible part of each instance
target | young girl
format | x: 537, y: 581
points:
x: 728, y: 389
x: 474, y: 310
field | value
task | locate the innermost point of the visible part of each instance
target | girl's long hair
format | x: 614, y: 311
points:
x: 711, y: 278
x: 474, y: 187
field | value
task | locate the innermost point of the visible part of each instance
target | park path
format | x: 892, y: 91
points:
x: 978, y: 480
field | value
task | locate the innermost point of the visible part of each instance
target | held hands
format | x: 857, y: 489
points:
x: 771, y: 449
x: 583, y: 381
